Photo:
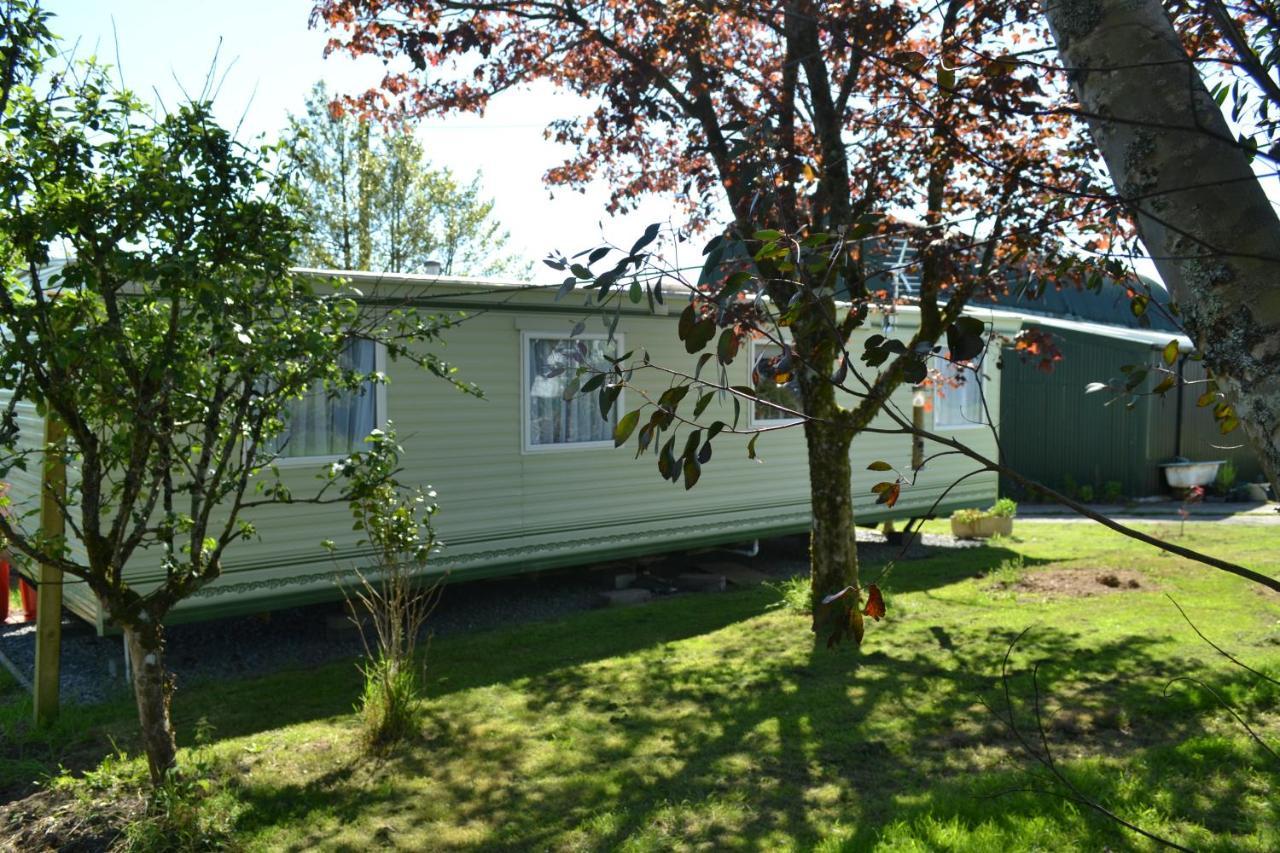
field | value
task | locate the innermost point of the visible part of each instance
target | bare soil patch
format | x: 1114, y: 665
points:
x: 1078, y: 583
x: 55, y: 820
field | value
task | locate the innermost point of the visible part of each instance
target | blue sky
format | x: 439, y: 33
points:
x: 268, y: 60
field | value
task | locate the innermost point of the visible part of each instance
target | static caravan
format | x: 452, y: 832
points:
x: 527, y: 480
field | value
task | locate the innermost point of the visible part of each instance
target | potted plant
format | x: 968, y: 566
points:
x: 982, y: 524
x: 998, y: 520
x: 964, y: 523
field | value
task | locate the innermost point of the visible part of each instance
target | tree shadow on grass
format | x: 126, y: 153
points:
x: 752, y: 737
x: 464, y: 662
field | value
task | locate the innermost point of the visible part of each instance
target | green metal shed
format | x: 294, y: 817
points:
x: 1055, y: 432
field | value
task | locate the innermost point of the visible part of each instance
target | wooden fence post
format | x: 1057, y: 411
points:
x: 53, y: 492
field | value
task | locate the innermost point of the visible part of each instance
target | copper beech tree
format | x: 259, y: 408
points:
x: 812, y: 124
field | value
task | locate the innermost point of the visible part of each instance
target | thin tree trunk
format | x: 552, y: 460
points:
x: 833, y: 558
x: 1199, y: 209
x: 152, y: 690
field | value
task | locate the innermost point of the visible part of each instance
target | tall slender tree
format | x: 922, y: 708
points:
x: 373, y: 201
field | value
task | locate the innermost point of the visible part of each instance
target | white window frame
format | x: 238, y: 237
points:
x: 379, y: 418
x: 752, y: 420
x: 527, y: 447
x: 972, y: 373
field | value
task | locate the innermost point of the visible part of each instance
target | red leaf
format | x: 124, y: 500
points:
x: 875, y: 603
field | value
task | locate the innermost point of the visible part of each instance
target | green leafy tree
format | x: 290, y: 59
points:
x: 165, y: 352
x: 375, y: 203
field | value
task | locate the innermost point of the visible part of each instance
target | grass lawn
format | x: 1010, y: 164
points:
x: 711, y: 721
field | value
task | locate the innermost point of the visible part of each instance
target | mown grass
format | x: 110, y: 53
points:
x: 712, y: 721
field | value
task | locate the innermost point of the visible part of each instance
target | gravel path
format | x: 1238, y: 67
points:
x: 93, y: 667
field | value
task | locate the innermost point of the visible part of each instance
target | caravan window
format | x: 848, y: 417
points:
x: 551, y: 422
x: 957, y: 399
x: 329, y: 425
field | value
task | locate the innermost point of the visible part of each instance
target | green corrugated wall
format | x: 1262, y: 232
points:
x: 1051, y: 430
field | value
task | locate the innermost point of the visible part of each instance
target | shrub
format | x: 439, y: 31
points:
x: 1086, y: 494
x: 968, y: 516
x: 391, y: 605
x: 1004, y: 508
x: 796, y: 592
x: 1112, y: 492
x: 1226, y: 478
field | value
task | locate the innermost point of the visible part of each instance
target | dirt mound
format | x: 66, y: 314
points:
x: 1079, y: 583
x: 55, y: 820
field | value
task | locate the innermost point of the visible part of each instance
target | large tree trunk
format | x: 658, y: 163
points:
x: 1199, y: 209
x: 152, y: 689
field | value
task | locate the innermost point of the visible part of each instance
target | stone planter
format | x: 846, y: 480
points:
x: 983, y: 528
x: 994, y: 525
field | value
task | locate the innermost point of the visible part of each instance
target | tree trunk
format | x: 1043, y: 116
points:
x: 1199, y: 209
x: 833, y: 558
x: 152, y: 690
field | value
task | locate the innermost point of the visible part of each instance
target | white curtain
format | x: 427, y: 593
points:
x: 958, y: 405
x: 322, y: 424
x: 553, y: 363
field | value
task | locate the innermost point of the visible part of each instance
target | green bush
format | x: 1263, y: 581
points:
x: 1226, y: 478
x: 1004, y: 508
x: 389, y: 708
x: 968, y: 516
x: 1112, y: 492
x: 796, y: 594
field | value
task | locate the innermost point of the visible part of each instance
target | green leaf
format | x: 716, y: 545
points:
x: 650, y: 234
x: 702, y: 362
x: 625, y: 426
x: 751, y: 447
x: 1171, y: 352
x: 946, y: 77
x: 635, y: 293
x: 692, y: 471
x: 715, y: 429
x: 570, y: 390
x: 671, y: 397
x: 703, y: 402
x: 879, y: 466
x: 1165, y: 384
x: 608, y: 396
x: 700, y: 335
x: 689, y: 316
x: 767, y: 235
x: 727, y: 348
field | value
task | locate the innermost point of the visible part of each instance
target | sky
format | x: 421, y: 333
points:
x: 268, y: 59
